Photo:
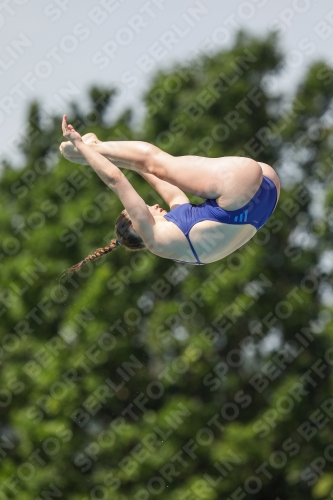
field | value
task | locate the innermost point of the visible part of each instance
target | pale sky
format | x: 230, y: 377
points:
x: 49, y: 49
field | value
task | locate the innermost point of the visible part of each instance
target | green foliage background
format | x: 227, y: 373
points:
x: 139, y: 378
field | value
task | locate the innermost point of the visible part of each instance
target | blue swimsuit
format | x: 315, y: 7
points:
x: 256, y: 213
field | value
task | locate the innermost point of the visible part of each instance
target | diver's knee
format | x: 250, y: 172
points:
x: 145, y: 156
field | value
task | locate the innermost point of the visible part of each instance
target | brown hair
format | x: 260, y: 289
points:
x: 126, y: 236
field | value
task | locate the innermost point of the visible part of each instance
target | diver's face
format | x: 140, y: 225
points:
x: 156, y: 210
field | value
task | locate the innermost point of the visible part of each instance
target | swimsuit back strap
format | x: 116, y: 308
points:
x: 192, y: 248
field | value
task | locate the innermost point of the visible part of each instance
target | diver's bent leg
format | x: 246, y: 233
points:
x: 233, y: 180
x: 133, y: 155
x: 193, y: 174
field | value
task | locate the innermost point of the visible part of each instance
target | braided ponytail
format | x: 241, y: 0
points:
x: 126, y: 236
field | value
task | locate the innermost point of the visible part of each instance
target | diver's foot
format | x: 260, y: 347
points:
x: 69, y: 151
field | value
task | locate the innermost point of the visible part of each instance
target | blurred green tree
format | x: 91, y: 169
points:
x: 140, y: 378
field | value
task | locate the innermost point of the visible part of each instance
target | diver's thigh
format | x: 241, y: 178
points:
x: 240, y: 183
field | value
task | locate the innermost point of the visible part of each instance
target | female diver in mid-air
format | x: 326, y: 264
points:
x: 240, y: 194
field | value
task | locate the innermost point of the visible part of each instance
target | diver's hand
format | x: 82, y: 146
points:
x: 69, y: 132
x: 69, y: 151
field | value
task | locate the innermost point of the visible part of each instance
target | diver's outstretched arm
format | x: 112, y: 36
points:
x: 108, y: 172
x: 138, y: 211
